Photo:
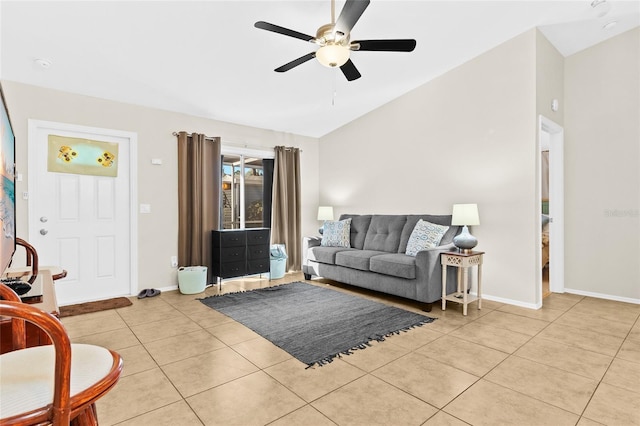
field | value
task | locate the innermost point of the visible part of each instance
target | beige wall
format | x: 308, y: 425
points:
x: 602, y: 168
x: 465, y: 137
x: 157, y: 185
x: 549, y: 79
x: 470, y: 136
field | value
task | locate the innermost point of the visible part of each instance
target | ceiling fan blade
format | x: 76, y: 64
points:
x: 350, y: 14
x: 282, y: 30
x: 350, y: 71
x: 399, y: 45
x: 296, y: 62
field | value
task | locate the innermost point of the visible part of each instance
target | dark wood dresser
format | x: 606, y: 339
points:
x: 238, y: 252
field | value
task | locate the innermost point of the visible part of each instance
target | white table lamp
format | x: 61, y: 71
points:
x: 465, y: 215
x: 324, y: 213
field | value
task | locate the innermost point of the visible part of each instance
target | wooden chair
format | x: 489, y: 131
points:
x: 32, y: 265
x: 18, y: 329
x: 55, y: 384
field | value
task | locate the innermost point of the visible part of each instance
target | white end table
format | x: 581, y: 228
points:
x: 463, y: 261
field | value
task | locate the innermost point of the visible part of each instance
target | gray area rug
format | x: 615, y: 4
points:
x: 314, y: 324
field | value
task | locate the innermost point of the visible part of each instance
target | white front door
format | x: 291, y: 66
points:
x: 79, y: 222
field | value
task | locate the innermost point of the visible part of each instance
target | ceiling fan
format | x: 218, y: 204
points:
x: 334, y: 40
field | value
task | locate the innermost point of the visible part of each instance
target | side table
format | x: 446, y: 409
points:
x: 463, y: 261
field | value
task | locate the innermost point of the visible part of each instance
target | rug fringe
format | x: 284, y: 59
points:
x: 329, y: 359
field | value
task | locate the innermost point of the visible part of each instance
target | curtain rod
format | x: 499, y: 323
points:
x: 236, y: 145
x: 209, y: 138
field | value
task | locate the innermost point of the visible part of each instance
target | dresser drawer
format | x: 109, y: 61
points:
x: 233, y: 269
x: 258, y: 252
x: 232, y: 239
x: 258, y: 266
x: 233, y: 254
x: 257, y: 236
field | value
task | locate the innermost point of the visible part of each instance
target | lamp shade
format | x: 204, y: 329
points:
x: 465, y: 214
x: 325, y: 213
x: 332, y: 55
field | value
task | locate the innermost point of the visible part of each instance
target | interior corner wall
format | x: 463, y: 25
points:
x: 602, y: 169
x: 549, y: 79
x: 467, y: 136
x: 157, y: 185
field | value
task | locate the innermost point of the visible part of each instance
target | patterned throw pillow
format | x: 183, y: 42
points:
x: 336, y: 233
x: 425, y: 235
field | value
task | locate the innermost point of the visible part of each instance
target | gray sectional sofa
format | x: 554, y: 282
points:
x: 376, y: 258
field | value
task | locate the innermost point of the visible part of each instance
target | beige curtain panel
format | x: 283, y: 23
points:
x: 199, y: 183
x: 285, y: 220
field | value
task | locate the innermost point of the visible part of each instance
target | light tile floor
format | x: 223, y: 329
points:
x: 575, y: 362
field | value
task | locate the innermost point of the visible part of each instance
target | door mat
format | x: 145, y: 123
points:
x: 89, y: 307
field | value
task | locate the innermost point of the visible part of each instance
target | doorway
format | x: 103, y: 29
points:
x: 551, y: 204
x: 247, y: 178
x: 84, y: 223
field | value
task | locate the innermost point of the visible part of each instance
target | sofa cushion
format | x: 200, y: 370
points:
x: 410, y: 224
x: 384, y: 233
x: 396, y: 264
x: 359, y: 227
x: 356, y: 259
x: 336, y: 233
x: 425, y: 235
x: 325, y: 254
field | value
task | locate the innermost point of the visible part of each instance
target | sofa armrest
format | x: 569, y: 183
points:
x: 431, y: 257
x: 307, y: 243
x: 429, y: 271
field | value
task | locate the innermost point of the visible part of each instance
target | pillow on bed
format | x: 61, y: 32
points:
x: 336, y: 233
x: 424, y: 236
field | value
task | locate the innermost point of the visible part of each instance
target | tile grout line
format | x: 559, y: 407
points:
x: 411, y: 351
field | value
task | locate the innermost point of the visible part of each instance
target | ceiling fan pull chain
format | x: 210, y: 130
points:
x: 334, y: 90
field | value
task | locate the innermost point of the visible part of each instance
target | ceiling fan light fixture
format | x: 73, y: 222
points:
x: 333, y: 55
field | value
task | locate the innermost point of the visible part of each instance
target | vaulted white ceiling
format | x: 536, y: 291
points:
x: 205, y: 58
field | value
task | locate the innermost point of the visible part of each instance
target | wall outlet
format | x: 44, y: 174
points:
x: 174, y: 261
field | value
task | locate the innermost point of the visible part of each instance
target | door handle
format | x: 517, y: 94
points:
x: 43, y: 232
x: 43, y: 219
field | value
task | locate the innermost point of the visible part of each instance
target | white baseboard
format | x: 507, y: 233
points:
x: 169, y: 288
x: 566, y: 290
x: 512, y: 302
x: 602, y: 296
